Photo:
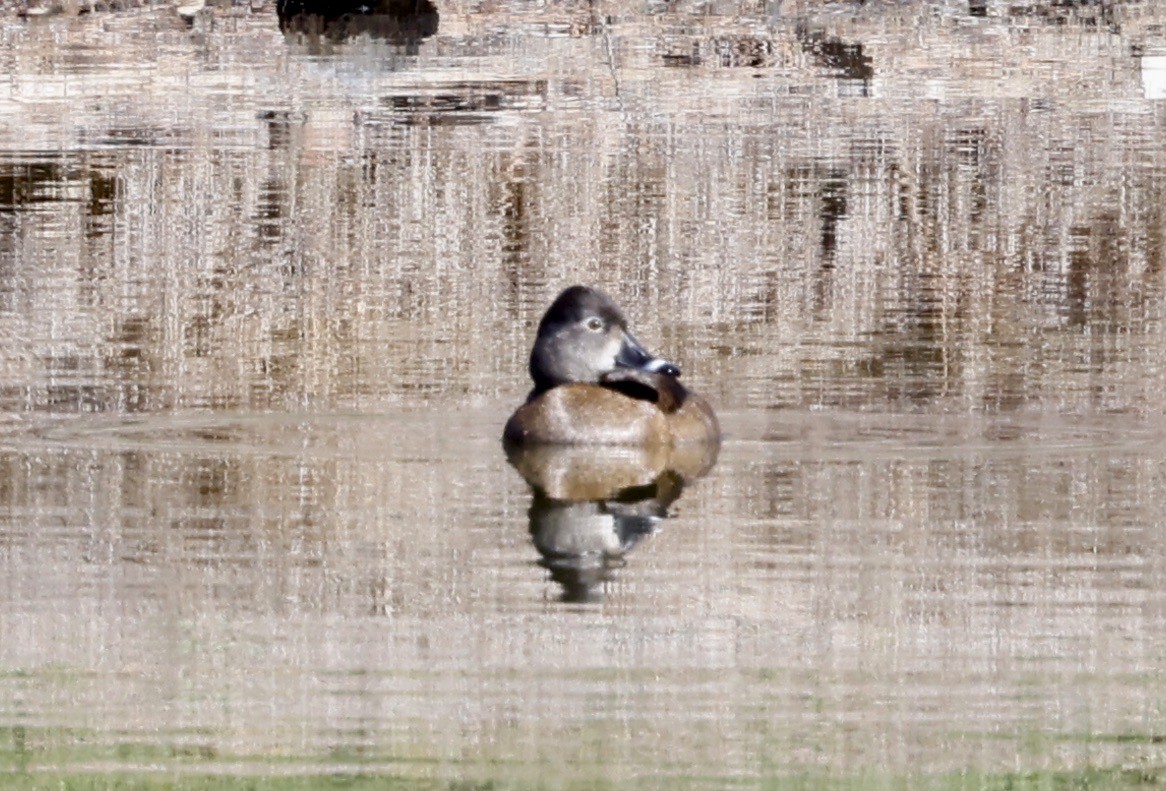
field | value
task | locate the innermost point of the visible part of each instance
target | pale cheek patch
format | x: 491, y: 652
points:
x: 610, y: 350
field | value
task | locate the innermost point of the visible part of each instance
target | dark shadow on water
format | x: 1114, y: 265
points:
x: 404, y: 22
x: 590, y: 506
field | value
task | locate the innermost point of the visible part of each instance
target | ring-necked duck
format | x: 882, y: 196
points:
x: 594, y: 384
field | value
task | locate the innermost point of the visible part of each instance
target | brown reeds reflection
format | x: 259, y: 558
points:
x: 591, y: 505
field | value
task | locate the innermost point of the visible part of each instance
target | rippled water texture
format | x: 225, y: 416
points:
x: 267, y: 291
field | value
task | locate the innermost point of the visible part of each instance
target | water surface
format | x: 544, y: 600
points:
x: 266, y: 297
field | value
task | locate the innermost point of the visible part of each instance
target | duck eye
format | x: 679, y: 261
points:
x: 594, y: 324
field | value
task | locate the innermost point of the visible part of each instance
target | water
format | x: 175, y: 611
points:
x: 266, y: 299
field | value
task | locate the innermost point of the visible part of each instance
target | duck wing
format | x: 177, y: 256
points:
x: 661, y: 389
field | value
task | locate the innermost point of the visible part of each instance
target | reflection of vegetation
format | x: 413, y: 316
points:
x: 370, y: 248
x: 844, y: 60
x: 398, y: 21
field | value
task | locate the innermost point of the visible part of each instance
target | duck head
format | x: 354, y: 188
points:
x: 584, y: 338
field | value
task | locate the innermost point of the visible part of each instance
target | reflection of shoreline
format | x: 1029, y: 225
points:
x: 397, y: 21
x: 590, y: 506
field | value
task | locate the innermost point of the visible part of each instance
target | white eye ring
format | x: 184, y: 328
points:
x: 594, y: 324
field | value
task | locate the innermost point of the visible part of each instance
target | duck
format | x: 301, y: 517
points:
x: 595, y: 384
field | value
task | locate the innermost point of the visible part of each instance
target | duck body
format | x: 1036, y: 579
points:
x: 596, y: 385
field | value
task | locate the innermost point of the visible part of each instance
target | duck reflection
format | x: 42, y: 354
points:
x: 397, y: 21
x: 592, y: 504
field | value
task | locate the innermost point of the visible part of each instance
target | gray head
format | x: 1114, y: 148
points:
x: 582, y: 337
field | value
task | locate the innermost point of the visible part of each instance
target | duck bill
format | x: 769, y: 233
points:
x: 632, y: 355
